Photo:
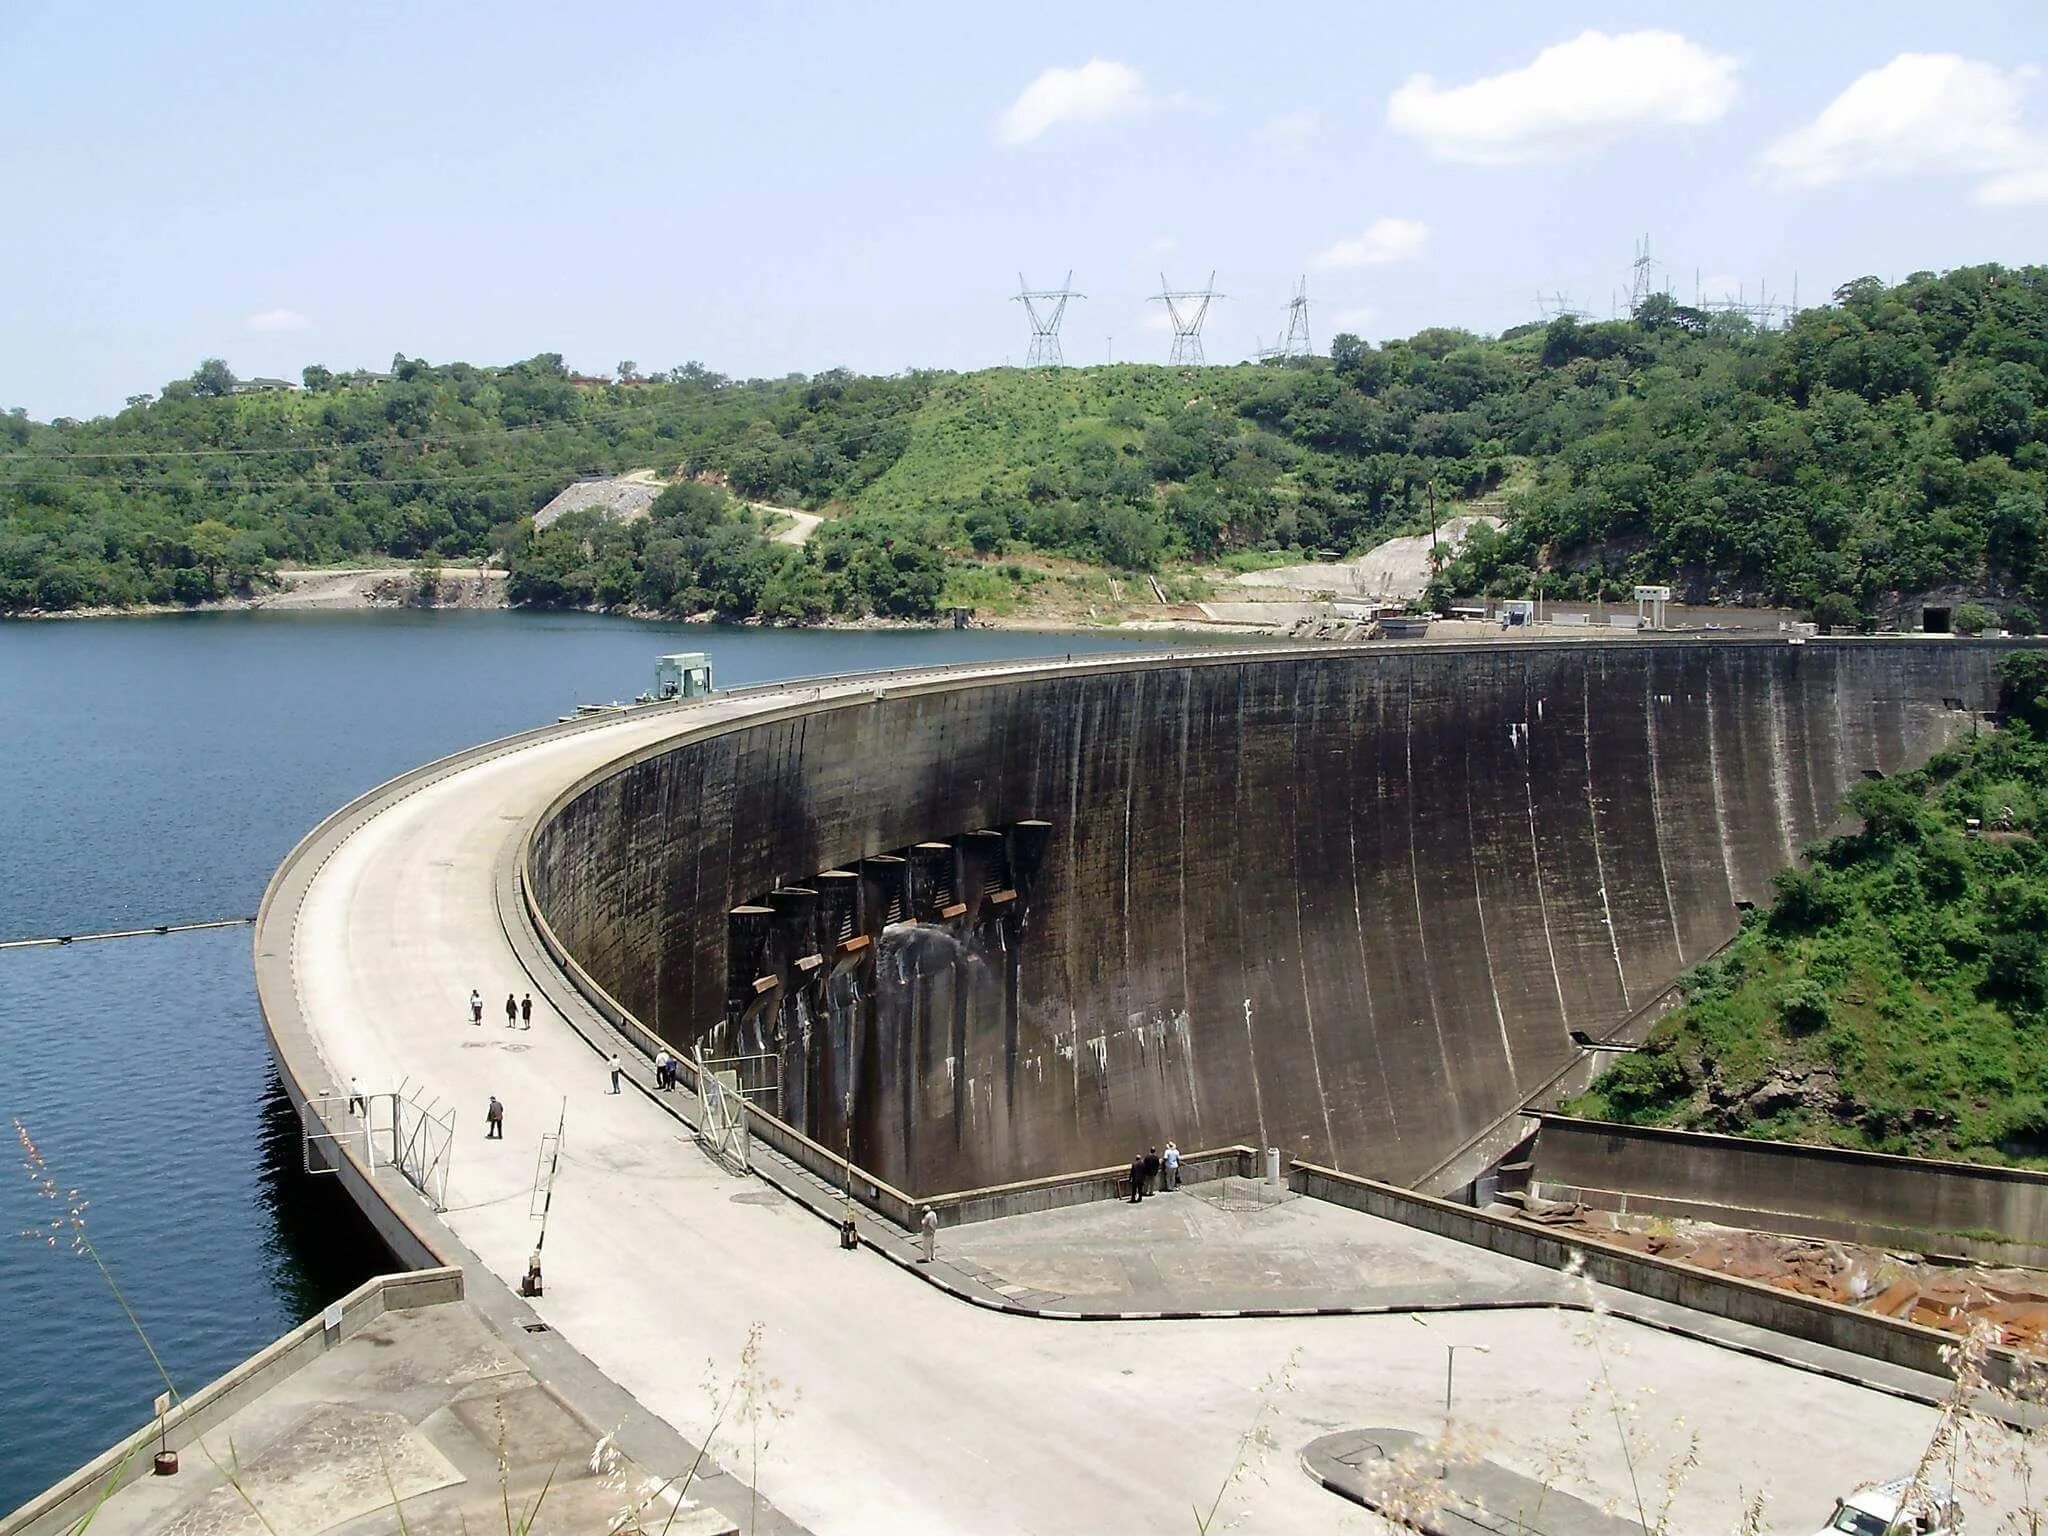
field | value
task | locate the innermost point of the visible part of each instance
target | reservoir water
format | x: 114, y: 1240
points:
x: 156, y: 770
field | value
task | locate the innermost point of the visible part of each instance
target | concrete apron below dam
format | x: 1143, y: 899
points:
x: 885, y: 1404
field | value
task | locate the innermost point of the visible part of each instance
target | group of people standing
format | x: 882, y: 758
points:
x: 518, y: 1011
x: 518, y: 1015
x: 1154, y: 1172
x: 668, y: 1068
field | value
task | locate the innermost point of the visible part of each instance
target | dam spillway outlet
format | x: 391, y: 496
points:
x: 1350, y: 903
x: 859, y: 980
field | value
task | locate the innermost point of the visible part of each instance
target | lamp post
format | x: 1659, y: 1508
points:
x: 1443, y: 1470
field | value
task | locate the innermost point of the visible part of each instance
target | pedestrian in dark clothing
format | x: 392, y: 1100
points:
x: 1137, y: 1178
x: 494, y: 1118
x: 511, y: 1011
x: 526, y: 1011
x: 357, y: 1104
x: 1151, y: 1167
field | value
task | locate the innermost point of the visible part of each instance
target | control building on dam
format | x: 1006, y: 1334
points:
x: 1351, y: 903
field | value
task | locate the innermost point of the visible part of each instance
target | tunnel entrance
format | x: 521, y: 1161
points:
x: 845, y: 992
x: 1934, y: 621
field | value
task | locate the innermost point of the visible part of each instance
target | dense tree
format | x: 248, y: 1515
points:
x: 1891, y: 443
x: 1901, y: 980
x: 213, y: 378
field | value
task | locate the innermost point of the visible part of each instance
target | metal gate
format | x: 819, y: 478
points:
x: 389, y: 1130
x: 422, y: 1145
x: 317, y: 1136
x: 725, y: 1114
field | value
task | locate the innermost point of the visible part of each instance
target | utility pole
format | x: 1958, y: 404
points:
x: 1293, y: 342
x: 1296, y: 343
x: 1642, y: 275
x: 1188, y: 309
x: 1435, y: 563
x: 1046, y: 308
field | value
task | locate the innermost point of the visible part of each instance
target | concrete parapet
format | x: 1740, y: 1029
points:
x: 1952, y: 1210
x: 970, y: 1205
x: 1827, y: 1323
x: 61, y: 1507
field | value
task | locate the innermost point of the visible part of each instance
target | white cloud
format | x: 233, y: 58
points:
x: 1385, y: 242
x: 1292, y: 130
x: 1157, y: 319
x: 1572, y: 97
x: 279, y: 320
x: 1162, y: 245
x: 2015, y: 189
x: 1094, y: 92
x: 1355, y: 319
x: 1921, y: 114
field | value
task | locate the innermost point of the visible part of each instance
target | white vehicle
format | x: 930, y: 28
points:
x: 1900, y: 1507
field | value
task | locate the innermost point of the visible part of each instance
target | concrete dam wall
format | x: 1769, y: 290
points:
x: 1348, y: 903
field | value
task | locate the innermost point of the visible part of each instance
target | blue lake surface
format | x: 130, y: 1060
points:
x: 156, y: 770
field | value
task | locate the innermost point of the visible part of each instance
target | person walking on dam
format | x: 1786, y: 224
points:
x: 511, y: 1011
x: 1137, y: 1177
x: 476, y: 1006
x: 1151, y: 1166
x: 1169, y: 1163
x: 526, y: 1011
x: 494, y: 1120
x: 615, y: 1069
x: 928, y: 1234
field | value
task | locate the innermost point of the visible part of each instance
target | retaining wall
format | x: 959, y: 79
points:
x: 1701, y: 1290
x: 1954, y: 1210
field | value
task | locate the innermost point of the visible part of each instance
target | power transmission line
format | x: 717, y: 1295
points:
x: 1187, y: 309
x: 1046, y: 307
x: 1295, y: 342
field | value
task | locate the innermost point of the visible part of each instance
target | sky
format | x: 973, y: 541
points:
x: 783, y: 188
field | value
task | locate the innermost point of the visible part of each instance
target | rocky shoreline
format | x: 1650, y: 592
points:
x: 355, y: 588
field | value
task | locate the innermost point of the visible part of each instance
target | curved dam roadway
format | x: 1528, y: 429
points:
x: 911, y: 1411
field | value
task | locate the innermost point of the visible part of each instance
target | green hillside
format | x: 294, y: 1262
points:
x: 1892, y: 442
x: 1895, y: 996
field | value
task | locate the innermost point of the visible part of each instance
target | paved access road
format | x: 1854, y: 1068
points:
x: 905, y: 1409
